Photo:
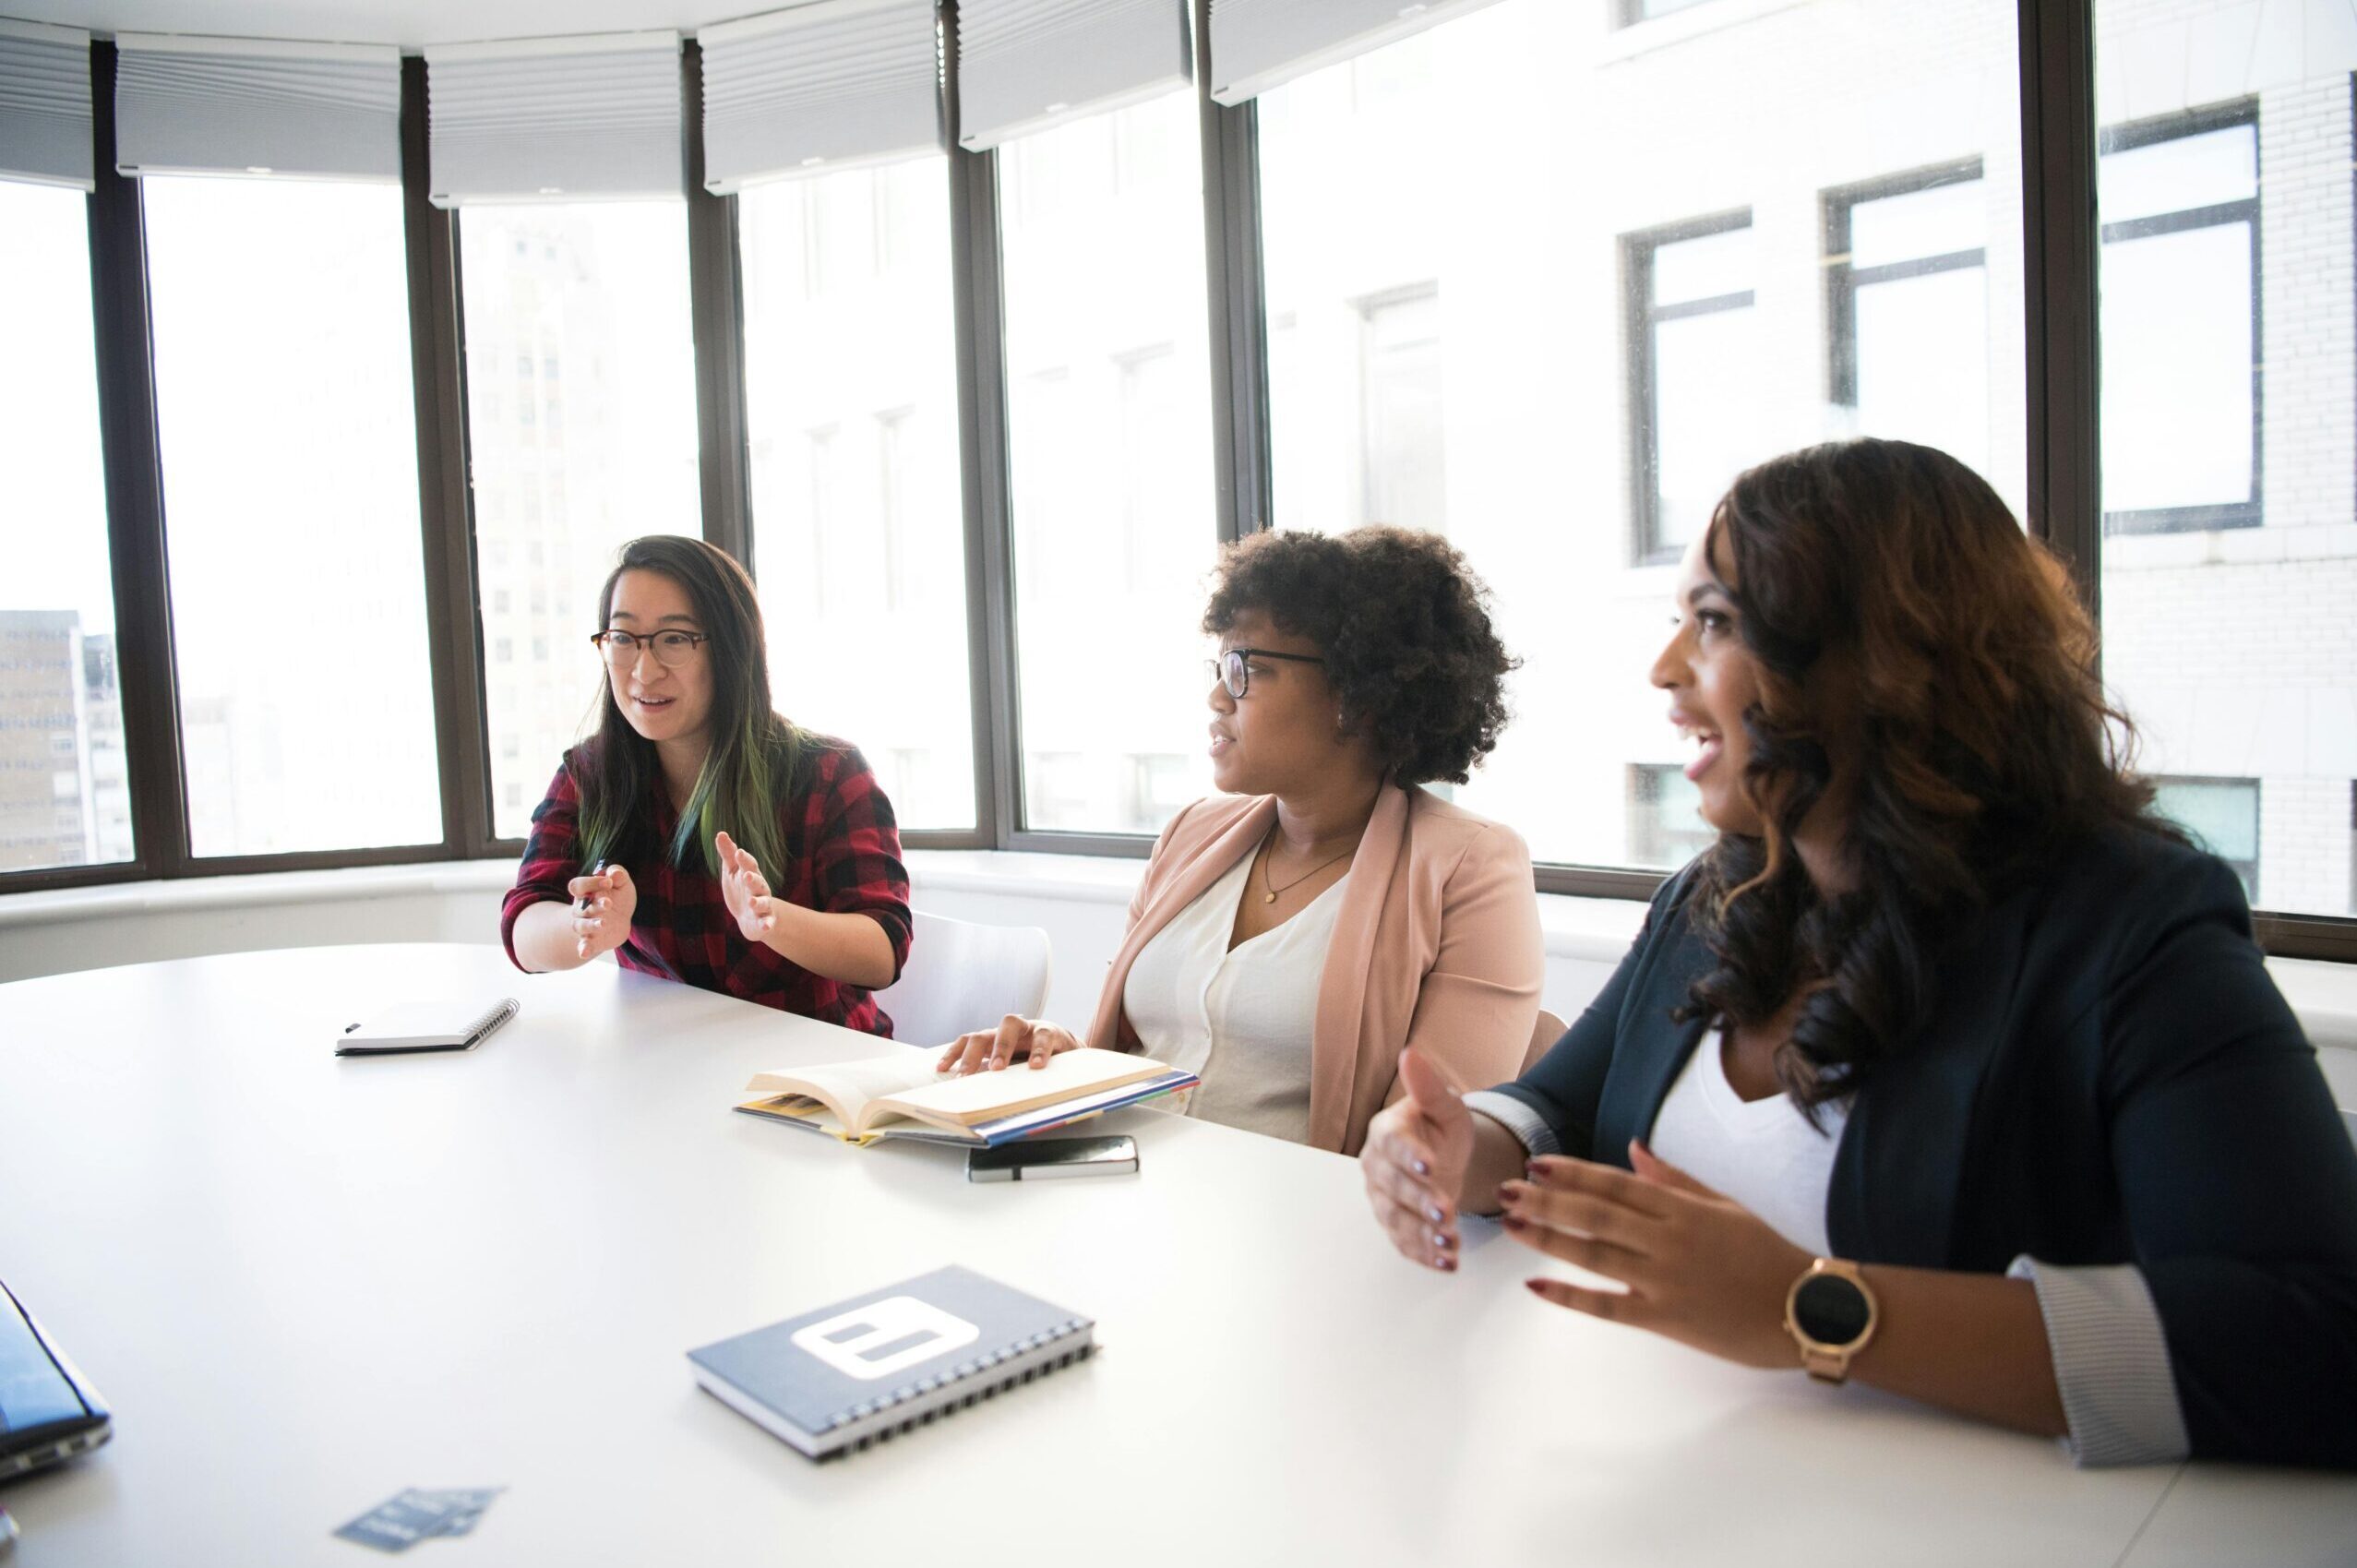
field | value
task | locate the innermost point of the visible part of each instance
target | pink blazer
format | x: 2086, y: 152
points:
x: 1437, y: 946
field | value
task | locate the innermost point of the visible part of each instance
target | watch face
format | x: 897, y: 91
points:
x: 1830, y: 1309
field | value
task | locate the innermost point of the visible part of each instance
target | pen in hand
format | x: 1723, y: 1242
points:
x: 581, y: 906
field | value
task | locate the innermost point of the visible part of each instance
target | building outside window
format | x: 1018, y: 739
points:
x: 599, y: 290
x: 1666, y: 828
x: 1907, y: 279
x: 858, y: 517
x: 2224, y: 817
x: 1694, y: 385
x: 2229, y: 442
x: 1101, y: 245
x: 61, y: 706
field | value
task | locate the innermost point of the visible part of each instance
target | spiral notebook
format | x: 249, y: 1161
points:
x: 853, y: 1373
x: 423, y: 1026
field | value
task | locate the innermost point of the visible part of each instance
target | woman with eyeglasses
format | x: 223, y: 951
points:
x: 697, y: 834
x: 1950, y: 1067
x: 1292, y: 934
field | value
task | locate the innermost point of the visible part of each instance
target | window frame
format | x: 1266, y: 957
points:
x: 2127, y: 137
x: 2060, y: 145
x: 1641, y: 355
x: 1844, y: 279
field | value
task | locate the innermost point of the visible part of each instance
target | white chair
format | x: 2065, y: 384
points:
x: 961, y: 976
x: 1549, y: 1029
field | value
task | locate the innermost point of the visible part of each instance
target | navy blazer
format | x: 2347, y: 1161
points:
x: 2108, y: 1076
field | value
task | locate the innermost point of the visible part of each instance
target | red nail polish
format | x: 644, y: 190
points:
x: 1515, y: 1222
x: 1535, y: 1289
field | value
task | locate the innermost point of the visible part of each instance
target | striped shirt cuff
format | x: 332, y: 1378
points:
x: 1529, y: 1128
x: 2110, y: 1362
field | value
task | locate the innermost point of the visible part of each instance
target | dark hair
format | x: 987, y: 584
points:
x: 1404, y: 626
x: 1903, y: 623
x: 753, y: 751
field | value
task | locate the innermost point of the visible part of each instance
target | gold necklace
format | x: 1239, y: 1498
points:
x: 1269, y: 896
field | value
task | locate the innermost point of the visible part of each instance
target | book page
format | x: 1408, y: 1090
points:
x: 846, y: 1087
x: 979, y: 1097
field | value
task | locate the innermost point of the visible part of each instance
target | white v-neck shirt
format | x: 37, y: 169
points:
x: 1240, y: 1020
x: 1763, y: 1154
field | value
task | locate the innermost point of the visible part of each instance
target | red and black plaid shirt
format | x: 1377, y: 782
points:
x: 842, y: 855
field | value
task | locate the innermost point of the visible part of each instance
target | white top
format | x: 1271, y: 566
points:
x: 480, y: 1267
x: 1240, y: 1020
x: 1763, y: 1154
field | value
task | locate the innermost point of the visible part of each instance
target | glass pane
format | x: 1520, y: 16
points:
x: 2228, y: 449
x: 2177, y: 382
x: 581, y: 415
x: 1707, y: 267
x: 1109, y: 431
x: 65, y: 790
x: 1705, y: 417
x: 1908, y: 323
x: 1592, y: 370
x: 290, y: 496
x: 2178, y: 173
x: 1937, y: 220
x: 858, y: 515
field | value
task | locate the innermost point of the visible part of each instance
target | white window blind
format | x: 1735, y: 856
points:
x: 1257, y: 44
x: 245, y: 105
x: 820, y: 87
x: 596, y: 116
x: 45, y: 104
x: 1026, y: 65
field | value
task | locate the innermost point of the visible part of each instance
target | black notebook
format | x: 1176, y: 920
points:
x: 847, y: 1374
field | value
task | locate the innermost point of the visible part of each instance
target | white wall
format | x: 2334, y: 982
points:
x: 1082, y: 903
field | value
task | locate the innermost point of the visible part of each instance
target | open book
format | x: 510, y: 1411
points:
x: 902, y: 1097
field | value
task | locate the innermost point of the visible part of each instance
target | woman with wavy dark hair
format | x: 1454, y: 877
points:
x: 1291, y: 934
x: 1949, y: 1066
x: 700, y: 835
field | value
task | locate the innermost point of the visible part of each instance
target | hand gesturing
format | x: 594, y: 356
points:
x: 744, y: 889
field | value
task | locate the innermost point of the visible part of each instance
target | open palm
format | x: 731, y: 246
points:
x: 744, y: 889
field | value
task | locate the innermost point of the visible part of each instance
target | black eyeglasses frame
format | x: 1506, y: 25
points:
x: 1238, y: 659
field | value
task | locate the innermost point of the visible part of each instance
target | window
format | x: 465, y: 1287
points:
x: 2178, y: 199
x: 1695, y: 384
x: 858, y: 511
x: 289, y: 456
x: 1158, y: 539
x: 1402, y: 464
x: 2228, y: 476
x: 1102, y: 247
x: 2224, y: 817
x: 1562, y: 374
x: 602, y: 287
x: 1907, y: 287
x: 1666, y: 828
x: 61, y: 705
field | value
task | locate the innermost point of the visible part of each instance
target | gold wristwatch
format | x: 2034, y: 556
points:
x: 1830, y: 1313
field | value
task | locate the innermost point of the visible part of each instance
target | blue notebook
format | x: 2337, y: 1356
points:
x: 846, y: 1375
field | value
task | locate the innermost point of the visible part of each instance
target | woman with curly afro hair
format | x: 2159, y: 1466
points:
x: 1292, y: 935
x: 1950, y: 1067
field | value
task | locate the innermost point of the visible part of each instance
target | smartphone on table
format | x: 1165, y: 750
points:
x: 1039, y: 1159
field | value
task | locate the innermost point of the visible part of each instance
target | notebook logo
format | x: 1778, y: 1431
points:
x: 884, y: 1337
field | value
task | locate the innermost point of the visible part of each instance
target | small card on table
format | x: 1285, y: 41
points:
x: 401, y: 1521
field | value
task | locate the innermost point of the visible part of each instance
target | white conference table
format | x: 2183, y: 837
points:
x: 304, y: 1284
